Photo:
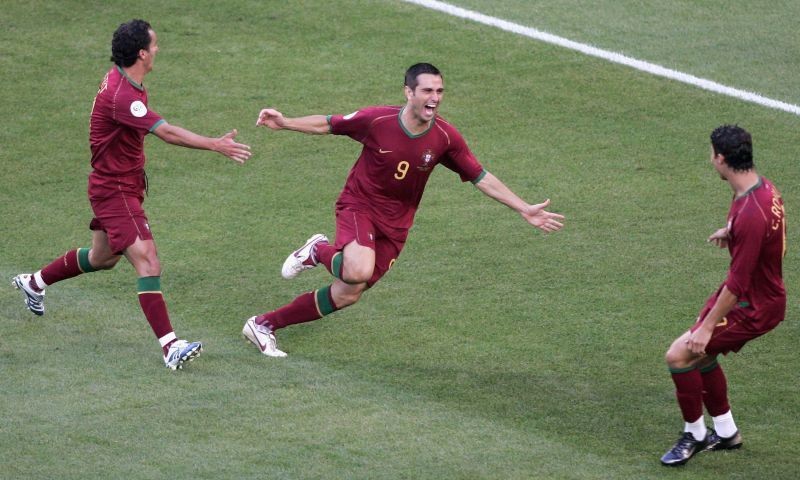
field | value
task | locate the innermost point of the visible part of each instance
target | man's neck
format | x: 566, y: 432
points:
x: 135, y: 72
x: 742, y: 183
x: 412, y: 124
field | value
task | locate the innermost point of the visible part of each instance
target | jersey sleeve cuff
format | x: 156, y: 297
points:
x: 155, y: 125
x: 479, y: 177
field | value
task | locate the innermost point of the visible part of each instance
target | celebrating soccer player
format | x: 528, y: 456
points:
x: 120, y: 119
x: 402, y: 145
x: 750, y: 303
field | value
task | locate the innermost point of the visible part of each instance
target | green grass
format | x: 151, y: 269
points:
x: 490, y: 351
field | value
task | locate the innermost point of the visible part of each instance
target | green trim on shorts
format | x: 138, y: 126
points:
x: 710, y: 367
x: 681, y: 370
x: 336, y: 265
x: 480, y: 177
x: 148, y: 285
x: 324, y: 301
x: 83, y: 261
x: 744, y: 304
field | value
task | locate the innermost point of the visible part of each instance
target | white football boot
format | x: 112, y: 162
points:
x: 33, y: 300
x: 262, y: 337
x: 181, y: 352
x: 303, y: 258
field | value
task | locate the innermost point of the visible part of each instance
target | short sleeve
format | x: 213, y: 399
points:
x: 355, y: 125
x: 132, y: 112
x: 460, y: 159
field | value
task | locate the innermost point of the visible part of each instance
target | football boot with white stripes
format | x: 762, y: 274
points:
x: 34, y: 300
x: 181, y: 352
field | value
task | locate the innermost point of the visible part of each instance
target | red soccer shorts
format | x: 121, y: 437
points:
x: 733, y: 332
x: 119, y: 214
x: 353, y: 224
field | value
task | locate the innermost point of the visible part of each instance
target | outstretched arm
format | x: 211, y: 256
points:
x: 312, y: 124
x: 534, y: 214
x: 223, y: 145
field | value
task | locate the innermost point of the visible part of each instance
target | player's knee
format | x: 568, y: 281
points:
x: 345, y: 300
x: 357, y: 274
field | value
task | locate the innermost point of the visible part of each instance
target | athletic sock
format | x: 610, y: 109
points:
x: 71, y: 264
x: 330, y: 257
x: 724, y: 425
x: 696, y: 428
x: 305, y: 308
x: 689, y: 391
x: 155, y: 310
x: 715, y: 389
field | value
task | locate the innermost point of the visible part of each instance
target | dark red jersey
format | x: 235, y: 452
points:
x: 389, y: 177
x: 757, y: 244
x: 119, y: 122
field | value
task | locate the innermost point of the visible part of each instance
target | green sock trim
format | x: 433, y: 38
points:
x: 681, y: 370
x: 149, y: 285
x: 336, y: 265
x: 710, y: 367
x: 324, y: 301
x: 83, y: 261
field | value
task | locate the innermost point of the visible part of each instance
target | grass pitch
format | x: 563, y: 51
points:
x: 490, y: 351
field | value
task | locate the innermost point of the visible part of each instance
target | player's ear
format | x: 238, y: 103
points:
x: 409, y: 93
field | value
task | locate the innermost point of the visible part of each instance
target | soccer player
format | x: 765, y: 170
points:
x: 402, y: 145
x: 120, y: 119
x: 750, y: 303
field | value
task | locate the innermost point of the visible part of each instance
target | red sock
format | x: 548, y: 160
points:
x: 715, y: 391
x: 305, y: 308
x: 689, y: 390
x: 62, y: 268
x: 155, y: 310
x: 326, y: 255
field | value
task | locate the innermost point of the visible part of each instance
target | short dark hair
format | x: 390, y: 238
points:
x: 735, y: 144
x: 416, y: 70
x: 129, y: 38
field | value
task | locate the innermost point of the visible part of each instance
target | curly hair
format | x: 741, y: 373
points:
x: 735, y: 144
x: 129, y: 38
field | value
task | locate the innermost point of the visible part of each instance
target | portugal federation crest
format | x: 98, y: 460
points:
x: 427, y: 161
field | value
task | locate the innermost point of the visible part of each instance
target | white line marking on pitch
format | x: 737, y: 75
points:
x: 607, y: 55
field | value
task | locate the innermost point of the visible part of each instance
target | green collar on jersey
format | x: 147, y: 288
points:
x: 140, y: 87
x: 411, y: 135
x: 760, y: 182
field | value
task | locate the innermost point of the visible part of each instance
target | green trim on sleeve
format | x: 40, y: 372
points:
x: 153, y: 128
x: 148, y: 284
x: 328, y: 119
x: 480, y: 177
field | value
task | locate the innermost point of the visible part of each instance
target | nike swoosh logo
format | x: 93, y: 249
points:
x: 260, y: 345
x: 380, y: 150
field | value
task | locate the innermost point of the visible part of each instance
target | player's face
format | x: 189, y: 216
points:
x: 149, y: 55
x: 424, y: 101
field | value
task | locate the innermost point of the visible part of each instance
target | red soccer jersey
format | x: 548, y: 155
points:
x: 120, y: 120
x: 757, y: 244
x: 390, y: 174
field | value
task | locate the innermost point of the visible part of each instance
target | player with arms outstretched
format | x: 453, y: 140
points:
x: 401, y: 146
x: 120, y: 119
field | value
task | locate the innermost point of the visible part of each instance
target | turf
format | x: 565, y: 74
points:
x: 489, y: 351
